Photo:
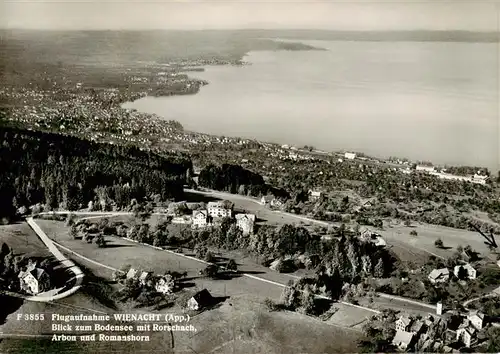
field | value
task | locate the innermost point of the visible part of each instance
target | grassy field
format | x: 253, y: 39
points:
x: 243, y: 326
x: 23, y: 240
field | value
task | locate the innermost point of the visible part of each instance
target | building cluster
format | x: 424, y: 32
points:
x: 457, y: 330
x: 462, y: 271
x: 213, y: 214
x: 476, y: 178
x: 164, y: 284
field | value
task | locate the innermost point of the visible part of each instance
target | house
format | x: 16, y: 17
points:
x: 470, y: 271
x: 350, y: 155
x: 403, y: 340
x: 314, y: 195
x: 199, y: 300
x: 201, y: 219
x: 466, y: 335
x: 220, y: 209
x: 270, y: 200
x: 370, y: 236
x: 34, y: 280
x: 165, y: 284
x: 439, y: 275
x: 266, y: 200
x: 246, y: 223
x: 403, y: 324
x: 132, y: 273
x: 145, y: 277
x: 476, y: 319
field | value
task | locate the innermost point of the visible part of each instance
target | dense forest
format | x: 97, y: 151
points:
x: 66, y: 172
x: 236, y: 179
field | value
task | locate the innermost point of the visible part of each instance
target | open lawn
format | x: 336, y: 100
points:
x: 243, y: 326
x: 23, y: 240
x: 428, y: 234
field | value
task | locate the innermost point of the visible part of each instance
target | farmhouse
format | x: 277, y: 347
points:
x: 314, y: 195
x: 201, y: 219
x: 469, y: 271
x: 34, y: 280
x: 199, y: 300
x: 220, y: 209
x: 439, y: 275
x: 246, y: 223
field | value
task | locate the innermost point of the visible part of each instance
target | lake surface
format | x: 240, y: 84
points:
x: 422, y: 100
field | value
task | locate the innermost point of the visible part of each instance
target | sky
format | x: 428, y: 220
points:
x: 362, y: 15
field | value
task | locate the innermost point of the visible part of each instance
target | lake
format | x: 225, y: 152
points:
x: 434, y: 101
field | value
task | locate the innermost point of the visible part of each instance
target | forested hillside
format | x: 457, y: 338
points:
x: 66, y: 172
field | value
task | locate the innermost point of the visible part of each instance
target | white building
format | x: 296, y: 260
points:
x: 145, y: 277
x: 403, y: 324
x: 165, y: 284
x: 270, y: 200
x: 466, y: 334
x: 201, y: 219
x: 424, y: 168
x: 132, y: 273
x: 314, y: 195
x: 476, y: 319
x: 199, y: 300
x: 480, y: 179
x: 220, y: 209
x: 439, y: 275
x: 471, y: 272
x: 350, y: 155
x: 403, y: 339
x: 34, y: 280
x: 246, y: 223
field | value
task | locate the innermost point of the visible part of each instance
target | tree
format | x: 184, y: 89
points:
x: 493, y: 338
x: 211, y: 271
x: 413, y: 233
x: 462, y: 273
x: 379, y: 269
x: 231, y: 265
x: 209, y: 257
x: 73, y: 232
x: 100, y: 241
x: 438, y: 243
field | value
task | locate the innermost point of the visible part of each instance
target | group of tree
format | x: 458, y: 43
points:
x: 237, y: 180
x: 66, y: 172
x: 350, y: 260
